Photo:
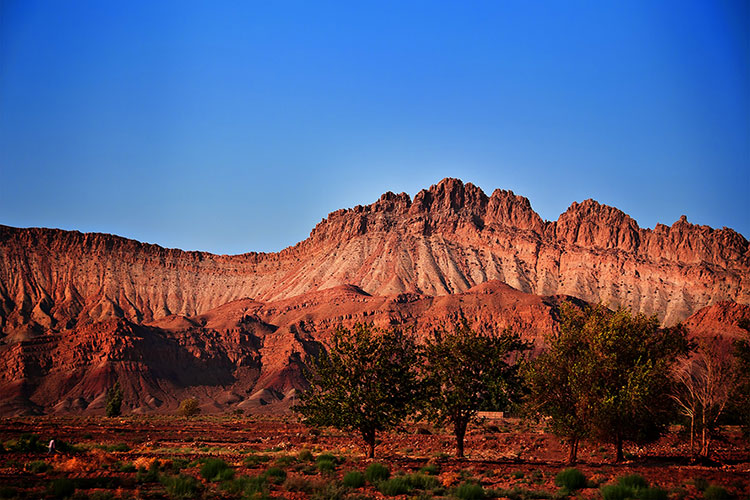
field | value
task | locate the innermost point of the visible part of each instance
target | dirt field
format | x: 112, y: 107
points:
x: 114, y: 458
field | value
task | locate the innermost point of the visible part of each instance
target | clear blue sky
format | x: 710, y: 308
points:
x: 237, y: 126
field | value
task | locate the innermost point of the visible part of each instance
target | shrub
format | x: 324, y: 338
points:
x: 188, y: 407
x: 275, y: 475
x: 285, y: 461
x: 470, y: 491
x: 326, y: 466
x: 299, y: 484
x: 394, y: 486
x: 633, y: 481
x: 331, y: 491
x: 305, y: 456
x: 148, y: 476
x: 37, y: 467
x: 655, y: 494
x: 181, y: 486
x: 430, y: 469
x: 61, y: 488
x: 127, y: 467
x: 571, y: 479
x: 215, y: 469
x: 257, y: 486
x: 714, y: 492
x: 422, y: 481
x: 114, y: 401
x: 616, y: 492
x: 254, y: 460
x: 377, y: 472
x: 327, y: 457
x: 517, y: 474
x: 354, y: 479
x: 29, y: 443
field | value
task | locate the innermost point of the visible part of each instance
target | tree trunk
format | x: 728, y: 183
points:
x: 692, y: 436
x: 369, y: 437
x: 573, y: 451
x: 459, y: 427
x: 704, y: 448
x: 619, y: 457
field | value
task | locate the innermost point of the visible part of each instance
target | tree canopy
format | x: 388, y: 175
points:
x: 464, y: 370
x: 366, y: 382
x: 606, y: 375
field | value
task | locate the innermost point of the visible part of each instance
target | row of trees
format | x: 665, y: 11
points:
x: 606, y: 376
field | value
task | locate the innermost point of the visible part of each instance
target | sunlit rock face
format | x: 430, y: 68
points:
x: 104, y: 307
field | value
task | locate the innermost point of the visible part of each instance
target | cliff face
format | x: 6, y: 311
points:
x: 446, y: 240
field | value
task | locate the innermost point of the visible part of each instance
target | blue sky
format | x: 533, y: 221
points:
x: 237, y: 126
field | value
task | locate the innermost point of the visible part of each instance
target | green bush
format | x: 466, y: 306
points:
x: 275, y: 475
x: 181, y: 486
x: 516, y: 474
x: 305, y: 456
x: 422, y: 481
x: 633, y: 481
x: 285, y: 461
x: 654, y: 494
x: 522, y: 494
x: 257, y: 486
x: 327, y: 457
x: 470, y: 491
x: 714, y: 492
x: 616, y: 492
x: 29, y: 443
x: 254, y: 460
x: 571, y: 479
x: 37, y: 467
x: 61, y: 488
x: 354, y: 479
x: 326, y: 466
x: 148, y: 476
x: 394, y: 486
x: 431, y: 469
x: 216, y: 469
x: 377, y: 472
x: 127, y: 467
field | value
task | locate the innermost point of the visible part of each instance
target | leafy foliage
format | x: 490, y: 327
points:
x: 188, y: 407
x: 113, y: 405
x: 365, y: 383
x: 354, y: 479
x: 465, y: 370
x: 606, y: 375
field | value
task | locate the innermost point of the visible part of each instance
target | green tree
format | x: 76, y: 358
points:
x: 554, y: 381
x: 464, y: 370
x: 366, y: 382
x: 113, y: 401
x: 614, y: 374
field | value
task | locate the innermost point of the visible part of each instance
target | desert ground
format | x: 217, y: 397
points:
x: 278, y: 457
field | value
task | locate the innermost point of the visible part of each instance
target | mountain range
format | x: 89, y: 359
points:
x: 80, y: 311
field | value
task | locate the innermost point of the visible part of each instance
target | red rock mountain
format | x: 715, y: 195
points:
x: 78, y: 311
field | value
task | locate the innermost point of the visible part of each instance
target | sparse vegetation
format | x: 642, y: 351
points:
x: 377, y: 472
x: 113, y: 401
x: 353, y: 479
x: 189, y: 407
x: 571, y: 479
x: 470, y: 491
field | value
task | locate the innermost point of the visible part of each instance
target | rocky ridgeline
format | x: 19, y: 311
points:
x: 446, y: 240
